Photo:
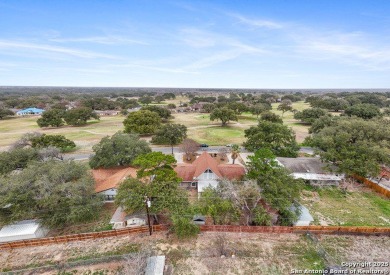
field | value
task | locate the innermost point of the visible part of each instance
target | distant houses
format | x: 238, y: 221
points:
x: 30, y: 112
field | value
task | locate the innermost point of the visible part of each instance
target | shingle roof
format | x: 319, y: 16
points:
x: 190, y: 171
x: 110, y: 178
x: 304, y: 165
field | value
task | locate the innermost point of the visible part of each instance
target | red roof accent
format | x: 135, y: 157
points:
x: 190, y: 171
x: 110, y: 178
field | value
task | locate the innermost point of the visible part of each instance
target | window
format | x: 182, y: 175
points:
x: 208, y: 171
x: 193, y: 184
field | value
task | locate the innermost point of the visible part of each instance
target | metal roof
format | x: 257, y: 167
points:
x: 21, y: 228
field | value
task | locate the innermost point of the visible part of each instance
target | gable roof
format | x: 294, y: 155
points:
x: 110, y: 178
x: 190, y: 171
x: 204, y: 162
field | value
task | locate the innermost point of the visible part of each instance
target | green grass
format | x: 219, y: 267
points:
x: 358, y: 208
x: 217, y: 135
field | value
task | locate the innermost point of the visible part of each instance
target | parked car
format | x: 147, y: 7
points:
x: 203, y: 145
x: 229, y: 145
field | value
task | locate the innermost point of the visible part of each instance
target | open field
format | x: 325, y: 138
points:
x: 359, y: 207
x: 199, y: 126
x: 85, y: 137
x: 253, y: 253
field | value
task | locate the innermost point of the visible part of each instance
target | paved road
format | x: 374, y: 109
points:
x: 165, y: 150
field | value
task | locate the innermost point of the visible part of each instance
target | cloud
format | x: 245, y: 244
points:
x: 106, y: 40
x: 256, y: 23
x: 15, y: 45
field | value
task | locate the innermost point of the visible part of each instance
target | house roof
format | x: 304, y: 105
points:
x: 110, y: 178
x: 31, y: 110
x: 121, y: 216
x: 190, y: 171
x: 304, y: 165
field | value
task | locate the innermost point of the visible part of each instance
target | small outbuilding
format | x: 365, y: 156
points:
x: 23, y: 230
x: 121, y: 220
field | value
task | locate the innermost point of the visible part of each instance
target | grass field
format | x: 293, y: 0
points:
x: 86, y: 136
x: 199, y: 126
x: 361, y: 207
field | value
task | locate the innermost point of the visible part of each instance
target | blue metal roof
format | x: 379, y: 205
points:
x: 31, y: 110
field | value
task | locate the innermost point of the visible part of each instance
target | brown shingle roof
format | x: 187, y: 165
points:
x: 110, y: 178
x: 190, y: 171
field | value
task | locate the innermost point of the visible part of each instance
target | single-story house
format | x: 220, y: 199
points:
x: 23, y: 230
x: 121, y: 220
x: 305, y: 218
x: 205, y: 171
x: 108, y: 180
x: 30, y: 111
x: 107, y: 112
x: 311, y: 169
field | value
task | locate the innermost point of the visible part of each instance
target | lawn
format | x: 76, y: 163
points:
x: 301, y: 130
x: 217, y: 135
x: 12, y: 129
x: 360, y: 207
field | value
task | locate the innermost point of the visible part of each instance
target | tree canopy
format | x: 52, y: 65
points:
x: 310, y: 115
x: 278, y: 188
x: 53, y: 118
x: 171, y: 134
x: 163, y: 112
x: 355, y: 145
x: 56, y: 192
x: 58, y: 141
x: 275, y: 136
x: 119, y: 150
x: 5, y: 113
x: 79, y: 116
x: 142, y: 122
x: 223, y: 114
x: 271, y: 117
x: 365, y: 111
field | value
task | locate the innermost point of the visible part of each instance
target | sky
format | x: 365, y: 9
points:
x: 296, y: 44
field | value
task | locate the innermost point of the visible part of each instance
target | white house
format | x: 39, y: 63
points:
x: 23, y: 230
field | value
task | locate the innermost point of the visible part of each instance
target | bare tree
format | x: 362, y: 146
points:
x: 50, y: 153
x: 235, y: 152
x: 244, y: 195
x: 25, y: 140
x: 220, y: 244
x: 189, y: 147
x: 223, y: 151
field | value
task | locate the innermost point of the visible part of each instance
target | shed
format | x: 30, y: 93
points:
x: 121, y: 220
x: 23, y: 230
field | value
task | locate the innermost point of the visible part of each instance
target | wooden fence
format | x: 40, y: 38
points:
x: 348, y: 230
x: 81, y: 237
x: 373, y: 186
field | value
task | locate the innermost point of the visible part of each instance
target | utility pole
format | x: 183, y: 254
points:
x: 148, y: 203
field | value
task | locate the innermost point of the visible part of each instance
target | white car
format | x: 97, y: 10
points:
x: 229, y: 145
